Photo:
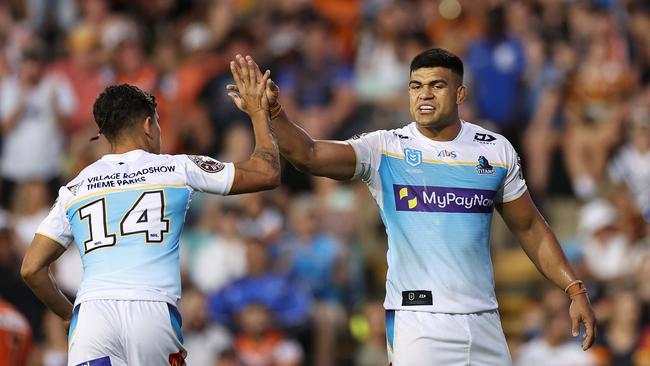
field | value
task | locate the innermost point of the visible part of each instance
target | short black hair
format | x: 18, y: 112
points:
x: 121, y: 107
x: 438, y: 57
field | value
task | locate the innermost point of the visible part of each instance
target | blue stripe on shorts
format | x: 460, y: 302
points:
x: 176, y: 321
x: 390, y: 327
x: 73, y: 322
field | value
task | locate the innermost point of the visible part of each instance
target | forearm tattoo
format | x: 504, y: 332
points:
x: 271, y: 156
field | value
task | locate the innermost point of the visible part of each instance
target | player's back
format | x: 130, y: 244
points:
x: 125, y: 213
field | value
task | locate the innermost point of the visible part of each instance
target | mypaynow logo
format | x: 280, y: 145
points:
x: 442, y: 199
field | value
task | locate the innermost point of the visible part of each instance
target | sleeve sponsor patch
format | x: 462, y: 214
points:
x: 207, y: 164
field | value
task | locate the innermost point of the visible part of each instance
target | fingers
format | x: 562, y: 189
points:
x: 575, y: 326
x: 252, y: 75
x: 243, y: 69
x: 236, y: 99
x: 236, y: 75
x: 258, y: 72
x: 232, y: 87
x: 590, y: 335
x: 272, y: 86
x: 265, y: 78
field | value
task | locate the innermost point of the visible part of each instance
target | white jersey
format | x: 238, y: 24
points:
x: 436, y: 199
x: 126, y: 212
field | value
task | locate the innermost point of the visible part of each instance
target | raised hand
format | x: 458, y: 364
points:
x: 249, y: 91
x: 272, y: 91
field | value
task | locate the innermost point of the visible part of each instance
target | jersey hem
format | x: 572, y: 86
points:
x: 126, y: 295
x: 231, y: 179
x: 51, y: 237
x: 357, y: 166
x: 515, y: 196
x: 427, y: 309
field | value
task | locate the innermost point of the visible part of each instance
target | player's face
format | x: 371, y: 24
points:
x: 434, y: 96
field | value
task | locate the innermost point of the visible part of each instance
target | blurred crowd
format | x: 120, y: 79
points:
x: 296, y: 276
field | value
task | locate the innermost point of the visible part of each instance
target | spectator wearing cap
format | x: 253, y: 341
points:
x: 34, y: 108
x: 605, y: 248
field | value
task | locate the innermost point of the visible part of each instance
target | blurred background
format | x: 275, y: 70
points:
x: 296, y: 276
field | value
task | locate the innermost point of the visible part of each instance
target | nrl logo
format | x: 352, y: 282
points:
x: 412, y: 157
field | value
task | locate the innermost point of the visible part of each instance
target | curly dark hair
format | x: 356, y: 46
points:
x: 121, y: 107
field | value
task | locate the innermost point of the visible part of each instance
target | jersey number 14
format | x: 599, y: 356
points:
x: 146, y: 216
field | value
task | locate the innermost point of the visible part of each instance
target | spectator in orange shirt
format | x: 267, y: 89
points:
x: 259, y: 343
x: 15, y: 336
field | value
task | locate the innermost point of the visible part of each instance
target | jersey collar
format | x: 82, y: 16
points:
x: 127, y: 156
x: 420, y: 137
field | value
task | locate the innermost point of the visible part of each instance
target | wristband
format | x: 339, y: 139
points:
x: 275, y: 111
x: 576, y: 282
x: 579, y: 292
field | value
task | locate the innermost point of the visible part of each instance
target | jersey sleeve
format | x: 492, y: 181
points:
x: 206, y: 174
x: 514, y: 184
x: 56, y: 225
x: 367, y: 148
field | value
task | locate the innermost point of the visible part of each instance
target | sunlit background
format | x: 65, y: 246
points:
x: 296, y: 276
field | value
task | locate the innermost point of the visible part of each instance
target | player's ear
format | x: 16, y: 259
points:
x: 461, y: 93
x: 148, y: 126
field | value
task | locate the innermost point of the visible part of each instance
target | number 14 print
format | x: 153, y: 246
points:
x: 146, y: 216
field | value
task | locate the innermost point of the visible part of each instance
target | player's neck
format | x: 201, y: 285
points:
x: 127, y: 146
x: 447, y: 132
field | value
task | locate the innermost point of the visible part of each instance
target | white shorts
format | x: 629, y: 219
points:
x: 418, y: 338
x: 120, y: 333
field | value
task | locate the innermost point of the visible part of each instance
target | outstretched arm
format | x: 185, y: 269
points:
x: 333, y: 159
x: 543, y: 249
x: 262, y: 170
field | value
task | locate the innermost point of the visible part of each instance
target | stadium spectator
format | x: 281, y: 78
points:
x: 583, y: 94
x: 554, y: 344
x: 371, y: 352
x: 313, y: 260
x: 595, y: 109
x: 203, y: 340
x: 381, y: 67
x: 290, y: 305
x: 33, y: 110
x: 260, y: 343
x: 318, y: 87
x: 83, y: 69
x: 605, y: 248
x: 54, y: 350
x: 618, y: 343
x: 15, y: 336
x: 496, y: 65
x: 631, y: 165
x: 219, y: 256
x: 216, y: 105
x: 31, y: 204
